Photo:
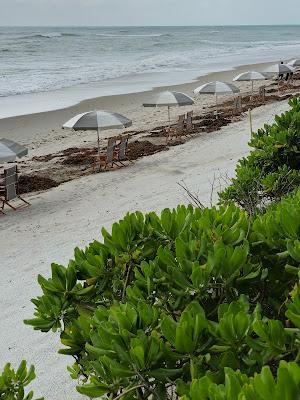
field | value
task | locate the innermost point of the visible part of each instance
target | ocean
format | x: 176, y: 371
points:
x: 39, y: 60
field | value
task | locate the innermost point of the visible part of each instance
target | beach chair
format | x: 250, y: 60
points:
x: 237, y: 105
x: 121, y: 153
x: 262, y: 92
x: 189, y: 126
x: 9, y: 190
x: 177, y: 130
x: 108, y: 159
x: 190, y: 114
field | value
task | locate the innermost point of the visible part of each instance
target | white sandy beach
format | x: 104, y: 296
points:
x: 73, y: 213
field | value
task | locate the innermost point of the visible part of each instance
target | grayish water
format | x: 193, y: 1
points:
x: 34, y: 60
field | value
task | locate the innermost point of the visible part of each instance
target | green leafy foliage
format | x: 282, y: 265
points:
x: 238, y: 386
x: 13, y: 382
x: 166, y: 300
x: 272, y: 168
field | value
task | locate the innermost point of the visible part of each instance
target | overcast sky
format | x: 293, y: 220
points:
x: 148, y: 12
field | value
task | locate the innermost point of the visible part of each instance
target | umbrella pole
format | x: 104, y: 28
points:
x: 98, y: 134
x: 216, y: 106
x: 169, y: 117
x: 250, y: 121
x: 252, y: 88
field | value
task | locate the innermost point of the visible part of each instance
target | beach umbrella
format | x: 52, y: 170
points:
x: 10, y: 150
x: 294, y: 63
x: 169, y: 99
x: 278, y: 69
x: 216, y: 88
x: 250, y: 76
x: 100, y: 120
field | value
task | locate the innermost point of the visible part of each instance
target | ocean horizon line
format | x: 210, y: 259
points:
x: 145, y: 26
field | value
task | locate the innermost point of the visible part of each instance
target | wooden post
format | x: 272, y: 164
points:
x: 169, y: 116
x: 99, y: 155
x: 250, y: 121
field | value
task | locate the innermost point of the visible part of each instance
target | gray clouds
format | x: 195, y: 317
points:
x: 148, y: 12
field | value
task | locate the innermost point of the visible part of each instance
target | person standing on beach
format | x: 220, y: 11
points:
x: 280, y: 77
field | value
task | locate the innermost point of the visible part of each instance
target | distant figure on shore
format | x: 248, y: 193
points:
x: 280, y: 77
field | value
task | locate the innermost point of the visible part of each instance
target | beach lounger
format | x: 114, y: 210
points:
x: 9, y: 190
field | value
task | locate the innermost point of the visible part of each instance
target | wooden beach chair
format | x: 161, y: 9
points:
x: 9, y: 190
x: 262, y: 92
x: 237, y: 105
x: 189, y: 126
x: 109, y: 157
x: 190, y: 114
x: 176, y: 131
x: 121, y: 153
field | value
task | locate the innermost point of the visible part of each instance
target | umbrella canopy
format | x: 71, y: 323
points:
x: 98, y: 120
x: 278, y: 69
x: 250, y: 76
x: 217, y: 87
x: 169, y: 99
x: 294, y: 63
x: 10, y: 150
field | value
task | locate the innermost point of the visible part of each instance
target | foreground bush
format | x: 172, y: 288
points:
x: 260, y: 387
x: 13, y: 383
x: 272, y: 168
x: 166, y: 303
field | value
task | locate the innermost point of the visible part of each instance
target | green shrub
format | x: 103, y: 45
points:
x: 238, y: 386
x: 168, y: 300
x: 12, y: 383
x: 272, y: 168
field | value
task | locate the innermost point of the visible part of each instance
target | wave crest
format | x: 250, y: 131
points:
x: 130, y: 35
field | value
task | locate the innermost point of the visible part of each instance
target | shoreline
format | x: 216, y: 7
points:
x: 41, y: 132
x: 121, y: 86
